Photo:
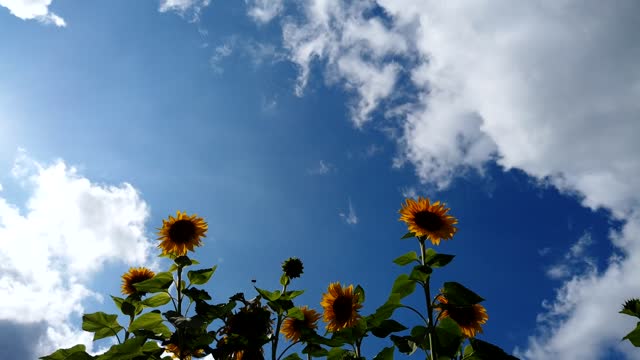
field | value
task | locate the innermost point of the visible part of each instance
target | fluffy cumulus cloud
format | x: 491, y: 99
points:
x: 53, y: 245
x: 263, y: 11
x: 33, y: 9
x: 548, y: 87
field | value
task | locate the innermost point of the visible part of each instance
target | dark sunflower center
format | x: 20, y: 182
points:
x: 182, y: 231
x: 429, y: 221
x: 342, y: 308
x: 464, y: 315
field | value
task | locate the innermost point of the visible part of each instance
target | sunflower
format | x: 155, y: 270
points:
x: 340, y: 307
x: 134, y: 276
x: 469, y: 317
x: 176, y: 352
x: 429, y: 220
x: 292, y: 328
x: 181, y: 234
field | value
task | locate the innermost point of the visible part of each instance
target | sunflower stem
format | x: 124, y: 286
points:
x: 427, y: 295
x: 179, y: 290
x: 276, y: 335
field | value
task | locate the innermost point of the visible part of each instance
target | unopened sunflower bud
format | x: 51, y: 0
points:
x: 292, y: 267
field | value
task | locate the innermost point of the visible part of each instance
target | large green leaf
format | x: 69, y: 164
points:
x: 420, y: 335
x: 420, y: 273
x: 200, y: 277
x: 101, y: 324
x: 290, y: 295
x: 295, y: 313
x: 440, y: 260
x: 271, y: 296
x: 159, y: 283
x: 336, y: 354
x: 74, y: 353
x: 405, y: 344
x: 151, y: 321
x: 387, y: 327
x: 125, y: 351
x: 407, y: 258
x: 449, y: 337
x: 196, y: 294
x: 457, y: 294
x: 385, y: 354
x: 157, y: 300
x: 631, y: 307
x: 482, y: 350
x: 403, y: 287
x: 315, y: 350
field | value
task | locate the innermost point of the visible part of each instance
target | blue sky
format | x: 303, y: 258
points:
x: 297, y: 129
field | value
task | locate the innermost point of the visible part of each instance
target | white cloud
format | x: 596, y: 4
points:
x: 53, y: 245
x: 547, y: 87
x: 219, y: 54
x: 350, y: 216
x: 191, y: 8
x: 575, y: 262
x: 33, y: 9
x: 263, y: 11
x: 322, y: 168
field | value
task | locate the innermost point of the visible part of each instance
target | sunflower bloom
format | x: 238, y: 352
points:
x: 469, y: 318
x: 176, y: 352
x: 134, y: 276
x: 292, y: 328
x: 340, y: 307
x: 427, y: 219
x: 181, y: 233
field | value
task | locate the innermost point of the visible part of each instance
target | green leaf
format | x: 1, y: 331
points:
x: 449, y: 337
x: 407, y: 258
x: 457, y: 294
x: 403, y: 287
x: 148, y: 321
x: 74, y: 353
x: 315, y: 350
x: 405, y: 344
x: 295, y: 313
x: 336, y: 354
x: 631, y: 307
x: 384, y: 312
x: 420, y: 273
x: 125, y: 351
x: 101, y: 324
x: 271, y: 296
x: 200, y: 277
x: 359, y: 292
x: 118, y: 301
x: 156, y: 284
x: 157, y: 300
x: 634, y: 336
x: 385, y: 354
x: 130, y: 306
x: 284, y: 280
x: 408, y: 236
x: 420, y: 335
x: 440, y: 260
x: 483, y: 350
x: 293, y: 356
x: 387, y: 327
x: 290, y: 295
x: 196, y: 294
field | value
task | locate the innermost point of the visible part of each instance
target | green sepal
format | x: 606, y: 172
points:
x: 101, y: 324
x: 77, y: 352
x: 385, y: 354
x: 200, y: 277
x: 159, y: 283
x: 408, y: 235
x: 407, y: 258
x: 359, y: 292
x: 459, y: 295
x: 634, y: 336
x: 387, y: 327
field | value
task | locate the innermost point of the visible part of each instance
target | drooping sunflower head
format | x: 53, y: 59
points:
x: 340, y: 307
x: 134, y: 276
x: 292, y: 329
x: 292, y: 267
x: 427, y: 219
x: 181, y: 233
x: 183, y: 354
x: 469, y: 317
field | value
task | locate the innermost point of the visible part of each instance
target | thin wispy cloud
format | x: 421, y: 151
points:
x: 185, y: 8
x: 263, y: 11
x: 322, y: 168
x: 350, y: 217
